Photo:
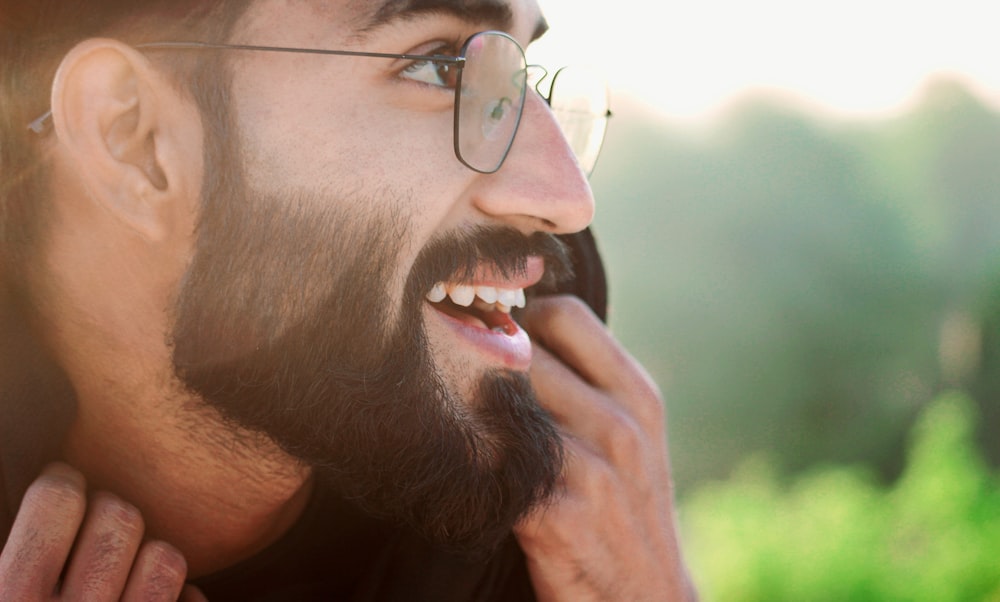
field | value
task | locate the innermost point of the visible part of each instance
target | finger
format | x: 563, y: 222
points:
x: 42, y: 534
x: 105, y: 549
x: 561, y: 390
x: 567, y: 327
x: 191, y: 593
x: 157, y: 574
x: 616, y: 429
x: 558, y: 523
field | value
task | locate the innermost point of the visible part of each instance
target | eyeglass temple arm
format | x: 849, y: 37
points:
x: 41, y: 124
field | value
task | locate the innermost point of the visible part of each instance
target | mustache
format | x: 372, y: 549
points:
x: 456, y: 257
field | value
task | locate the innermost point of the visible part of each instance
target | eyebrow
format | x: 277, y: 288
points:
x: 495, y: 12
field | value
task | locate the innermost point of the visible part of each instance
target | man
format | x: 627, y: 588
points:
x: 260, y: 260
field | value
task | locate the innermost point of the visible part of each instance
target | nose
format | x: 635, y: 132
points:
x: 540, y: 185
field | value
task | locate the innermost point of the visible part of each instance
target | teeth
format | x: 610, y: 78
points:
x: 487, y: 293
x: 437, y: 293
x: 507, y: 296
x: 462, y: 295
x: 483, y: 296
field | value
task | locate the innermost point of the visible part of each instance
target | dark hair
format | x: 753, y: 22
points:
x: 34, y: 36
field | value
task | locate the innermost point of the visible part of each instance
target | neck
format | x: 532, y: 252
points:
x: 219, y: 496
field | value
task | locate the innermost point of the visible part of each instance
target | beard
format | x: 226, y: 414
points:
x: 285, y: 326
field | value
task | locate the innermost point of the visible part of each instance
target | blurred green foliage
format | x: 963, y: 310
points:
x: 803, y: 286
x: 832, y: 533
x: 807, y: 290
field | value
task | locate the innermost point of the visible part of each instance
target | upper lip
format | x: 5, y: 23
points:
x: 533, y: 271
x: 486, y: 275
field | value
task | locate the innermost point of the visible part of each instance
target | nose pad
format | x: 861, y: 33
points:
x: 539, y: 81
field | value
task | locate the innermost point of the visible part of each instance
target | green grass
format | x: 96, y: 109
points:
x: 834, y: 533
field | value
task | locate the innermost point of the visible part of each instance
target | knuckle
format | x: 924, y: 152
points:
x: 624, y: 439
x: 559, y: 527
x: 539, y: 309
x: 164, y: 568
x: 118, y: 516
x: 110, y: 545
x: 600, y: 482
x: 18, y: 574
x: 107, y: 556
x: 32, y: 557
x: 57, y: 493
x: 651, y: 410
x: 551, y: 307
x: 642, y: 396
x: 572, y: 307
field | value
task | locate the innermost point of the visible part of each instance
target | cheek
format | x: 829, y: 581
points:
x: 353, y: 147
x: 400, y: 160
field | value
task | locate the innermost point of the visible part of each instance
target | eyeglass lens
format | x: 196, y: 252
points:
x: 491, y: 99
x: 579, y: 101
x: 490, y: 102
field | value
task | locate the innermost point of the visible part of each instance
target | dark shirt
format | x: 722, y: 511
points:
x: 335, y: 552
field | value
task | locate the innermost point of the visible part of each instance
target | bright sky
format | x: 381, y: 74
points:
x: 853, y: 57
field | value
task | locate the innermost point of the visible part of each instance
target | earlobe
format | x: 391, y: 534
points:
x: 112, y: 114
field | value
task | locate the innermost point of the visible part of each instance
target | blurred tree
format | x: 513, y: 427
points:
x: 803, y: 288
x: 774, y: 283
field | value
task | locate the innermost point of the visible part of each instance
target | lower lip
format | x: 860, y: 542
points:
x: 512, y: 351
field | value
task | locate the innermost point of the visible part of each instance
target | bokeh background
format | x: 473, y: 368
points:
x: 799, y: 206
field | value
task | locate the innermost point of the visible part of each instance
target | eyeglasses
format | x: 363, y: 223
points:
x: 490, y: 78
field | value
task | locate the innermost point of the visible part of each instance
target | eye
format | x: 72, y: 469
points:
x: 436, y: 73
x: 439, y: 73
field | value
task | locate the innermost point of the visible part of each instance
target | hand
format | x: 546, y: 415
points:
x: 63, y: 546
x: 610, y: 534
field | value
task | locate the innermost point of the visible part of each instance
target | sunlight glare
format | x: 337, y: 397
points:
x: 854, y: 57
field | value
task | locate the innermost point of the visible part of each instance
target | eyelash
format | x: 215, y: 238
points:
x: 445, y: 73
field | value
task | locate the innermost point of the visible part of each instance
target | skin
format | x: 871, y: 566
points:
x: 126, y: 150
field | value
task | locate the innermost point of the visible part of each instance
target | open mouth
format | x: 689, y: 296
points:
x: 486, y: 307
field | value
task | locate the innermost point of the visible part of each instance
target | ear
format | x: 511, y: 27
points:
x: 134, y: 139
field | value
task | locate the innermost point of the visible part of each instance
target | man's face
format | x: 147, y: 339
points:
x: 334, y: 206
